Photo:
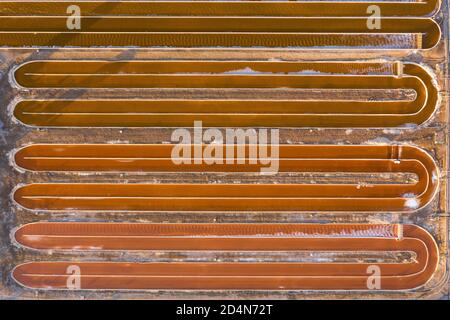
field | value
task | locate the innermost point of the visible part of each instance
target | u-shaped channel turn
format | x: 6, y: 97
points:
x: 226, y: 75
x: 219, y: 24
x: 313, y: 238
x: 201, y: 197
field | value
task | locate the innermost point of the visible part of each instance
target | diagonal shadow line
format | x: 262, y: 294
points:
x: 37, y: 55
